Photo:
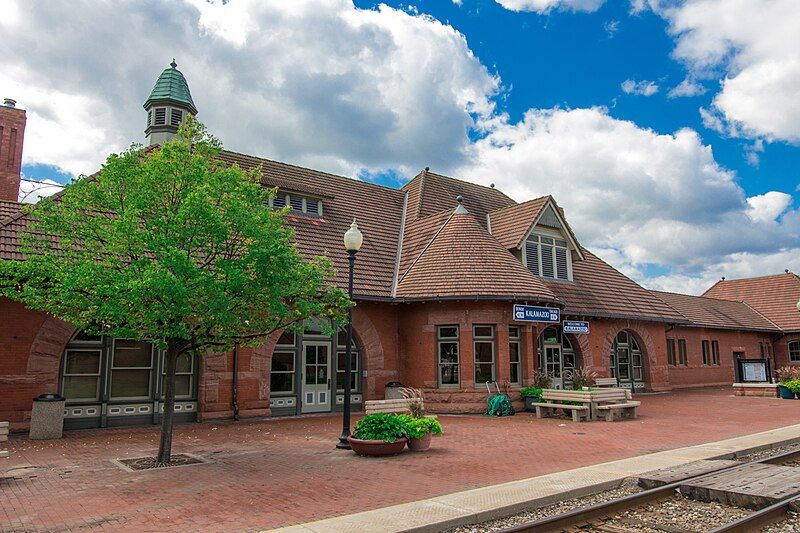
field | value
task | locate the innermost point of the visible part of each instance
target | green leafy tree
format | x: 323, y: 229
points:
x: 171, y: 246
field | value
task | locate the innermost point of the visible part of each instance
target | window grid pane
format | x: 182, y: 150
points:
x: 794, y: 351
x: 448, y: 356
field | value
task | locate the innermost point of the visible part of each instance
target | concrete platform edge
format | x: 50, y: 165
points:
x: 496, y: 501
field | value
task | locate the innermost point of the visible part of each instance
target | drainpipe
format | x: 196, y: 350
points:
x: 235, y: 383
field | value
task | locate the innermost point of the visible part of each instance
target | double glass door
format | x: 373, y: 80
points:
x: 316, y: 376
x: 553, y: 365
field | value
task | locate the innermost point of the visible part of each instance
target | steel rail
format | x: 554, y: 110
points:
x: 585, y: 514
x: 758, y: 519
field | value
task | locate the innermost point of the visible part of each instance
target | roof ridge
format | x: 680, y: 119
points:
x: 765, y: 276
x: 416, y: 259
x: 518, y: 204
x: 436, y: 174
x: 331, y: 174
x: 696, y: 296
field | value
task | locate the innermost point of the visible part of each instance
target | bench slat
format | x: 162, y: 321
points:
x: 563, y: 406
x: 619, y: 405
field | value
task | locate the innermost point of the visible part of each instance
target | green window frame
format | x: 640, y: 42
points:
x: 794, y: 351
x: 682, y: 358
x: 715, y: 352
x: 706, y: 349
x: 121, y: 386
x: 448, y: 356
x: 515, y: 355
x: 284, y: 362
x: 671, y: 352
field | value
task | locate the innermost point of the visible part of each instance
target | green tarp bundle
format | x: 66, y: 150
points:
x: 499, y: 405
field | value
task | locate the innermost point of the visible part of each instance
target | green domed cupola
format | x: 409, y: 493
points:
x: 168, y: 105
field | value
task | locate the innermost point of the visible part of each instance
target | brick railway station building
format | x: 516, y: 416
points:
x: 443, y: 264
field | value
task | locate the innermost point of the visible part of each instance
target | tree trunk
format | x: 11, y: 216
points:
x: 165, y: 445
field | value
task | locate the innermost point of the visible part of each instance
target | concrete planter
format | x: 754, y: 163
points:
x: 529, y: 401
x: 377, y: 448
x: 420, y: 445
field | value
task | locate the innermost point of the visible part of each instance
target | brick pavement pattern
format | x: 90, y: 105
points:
x: 269, y: 473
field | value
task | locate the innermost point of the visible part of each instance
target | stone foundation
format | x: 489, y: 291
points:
x: 765, y: 390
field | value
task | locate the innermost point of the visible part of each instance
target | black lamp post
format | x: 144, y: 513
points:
x: 352, y: 243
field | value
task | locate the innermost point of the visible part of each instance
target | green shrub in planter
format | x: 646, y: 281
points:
x: 419, y: 427
x: 793, y: 386
x: 382, y: 426
x: 530, y: 391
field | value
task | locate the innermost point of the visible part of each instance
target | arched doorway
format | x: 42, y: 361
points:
x: 627, y: 360
x: 558, y: 357
x: 308, y: 371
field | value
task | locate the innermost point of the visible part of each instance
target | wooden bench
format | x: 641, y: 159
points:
x: 3, y: 437
x: 613, y: 402
x: 555, y: 400
x: 613, y: 409
x: 397, y: 406
x: 605, y: 382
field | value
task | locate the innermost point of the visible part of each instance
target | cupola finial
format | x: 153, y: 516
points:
x: 173, y: 64
x: 460, y: 209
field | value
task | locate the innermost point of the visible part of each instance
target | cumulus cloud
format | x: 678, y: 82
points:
x: 545, y: 6
x: 648, y: 197
x: 318, y: 82
x: 641, y: 88
x: 687, y: 88
x: 754, y: 45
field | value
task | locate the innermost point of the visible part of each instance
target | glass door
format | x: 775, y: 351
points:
x: 316, y: 376
x: 623, y: 365
x: 552, y: 365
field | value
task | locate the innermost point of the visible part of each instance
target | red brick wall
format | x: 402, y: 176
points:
x: 781, y: 350
x: 31, y: 344
x: 697, y: 374
x: 418, y: 322
x: 12, y: 132
x: 375, y: 326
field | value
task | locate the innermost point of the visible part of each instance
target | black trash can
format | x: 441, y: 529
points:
x: 392, y: 391
x: 47, y: 417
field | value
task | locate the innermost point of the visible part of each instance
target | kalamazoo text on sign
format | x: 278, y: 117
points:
x: 575, y: 326
x: 530, y: 313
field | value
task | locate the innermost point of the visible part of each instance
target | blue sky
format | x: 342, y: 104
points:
x: 581, y: 59
x: 668, y: 130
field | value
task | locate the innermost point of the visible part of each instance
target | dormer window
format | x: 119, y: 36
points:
x: 301, y: 205
x: 548, y: 257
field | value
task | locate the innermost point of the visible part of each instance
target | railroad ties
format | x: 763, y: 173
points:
x: 665, y: 476
x: 752, y: 486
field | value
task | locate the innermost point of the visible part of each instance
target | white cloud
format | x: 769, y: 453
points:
x: 318, y: 82
x: 648, y: 197
x: 769, y: 206
x: 687, y: 88
x: 611, y: 28
x: 740, y: 265
x: 754, y: 44
x: 545, y: 6
x: 641, y: 88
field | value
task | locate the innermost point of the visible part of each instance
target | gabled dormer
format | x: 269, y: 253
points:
x: 539, y: 236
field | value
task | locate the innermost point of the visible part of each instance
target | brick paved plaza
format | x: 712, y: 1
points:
x: 263, y: 474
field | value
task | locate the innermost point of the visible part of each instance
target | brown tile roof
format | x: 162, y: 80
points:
x: 601, y: 290
x: 377, y: 209
x: 431, y: 193
x: 716, y: 313
x: 775, y: 297
x: 463, y: 261
x: 510, y: 225
x: 8, y: 209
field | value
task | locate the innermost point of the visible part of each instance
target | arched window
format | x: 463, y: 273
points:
x: 626, y: 358
x: 114, y: 382
x: 794, y: 352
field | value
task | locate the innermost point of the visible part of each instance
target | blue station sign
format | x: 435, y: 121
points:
x: 575, y: 326
x: 530, y: 313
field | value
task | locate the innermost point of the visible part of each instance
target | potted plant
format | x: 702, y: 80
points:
x: 380, y: 434
x: 582, y: 377
x: 420, y: 431
x: 794, y: 387
x: 531, y: 395
x: 786, y: 375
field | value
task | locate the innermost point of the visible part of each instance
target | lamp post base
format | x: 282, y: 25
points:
x: 343, y: 444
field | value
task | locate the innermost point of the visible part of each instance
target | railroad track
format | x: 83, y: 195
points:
x: 606, y: 516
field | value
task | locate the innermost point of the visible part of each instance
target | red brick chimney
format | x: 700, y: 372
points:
x: 12, y: 132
